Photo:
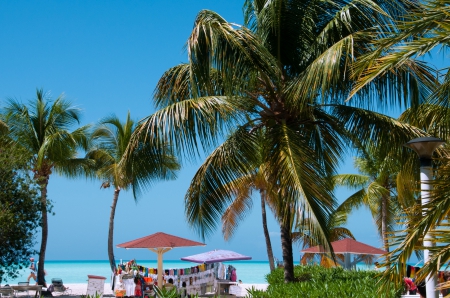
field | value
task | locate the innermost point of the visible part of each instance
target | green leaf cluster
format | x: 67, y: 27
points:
x: 316, y: 281
x: 19, y: 212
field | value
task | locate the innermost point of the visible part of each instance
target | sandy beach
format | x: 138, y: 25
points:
x: 81, y: 288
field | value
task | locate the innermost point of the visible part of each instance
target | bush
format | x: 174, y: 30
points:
x: 319, y: 282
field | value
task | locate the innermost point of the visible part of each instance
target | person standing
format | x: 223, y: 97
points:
x: 32, y: 271
x: 411, y: 287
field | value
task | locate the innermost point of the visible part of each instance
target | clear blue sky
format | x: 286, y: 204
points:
x: 106, y: 57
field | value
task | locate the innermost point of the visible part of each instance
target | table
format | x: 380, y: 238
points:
x: 36, y: 288
x: 223, y: 287
x: 6, y: 292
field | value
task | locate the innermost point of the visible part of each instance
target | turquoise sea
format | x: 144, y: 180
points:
x: 251, y: 272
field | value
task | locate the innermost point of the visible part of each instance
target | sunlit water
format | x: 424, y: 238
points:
x: 250, y: 272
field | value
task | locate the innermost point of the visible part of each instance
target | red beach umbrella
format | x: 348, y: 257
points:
x: 159, y: 243
x: 347, y: 246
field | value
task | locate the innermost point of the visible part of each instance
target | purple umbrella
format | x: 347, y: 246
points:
x: 216, y: 256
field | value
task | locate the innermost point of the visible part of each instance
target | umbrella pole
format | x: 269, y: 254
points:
x: 160, y: 251
x: 347, y: 261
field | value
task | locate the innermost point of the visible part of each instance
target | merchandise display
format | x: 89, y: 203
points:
x: 132, y: 279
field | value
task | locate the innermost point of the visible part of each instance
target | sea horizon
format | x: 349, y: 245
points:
x: 77, y: 271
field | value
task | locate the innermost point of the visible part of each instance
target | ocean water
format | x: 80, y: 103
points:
x: 78, y: 271
x: 250, y: 272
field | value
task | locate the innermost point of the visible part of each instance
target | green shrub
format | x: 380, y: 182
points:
x: 319, y: 282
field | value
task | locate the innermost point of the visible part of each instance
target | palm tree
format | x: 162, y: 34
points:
x: 286, y: 75
x: 3, y: 127
x: 337, y: 232
x: 377, y: 189
x: 424, y: 30
x: 41, y: 130
x: 242, y: 188
x: 146, y: 164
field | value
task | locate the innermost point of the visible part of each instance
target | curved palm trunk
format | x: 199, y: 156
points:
x: 266, y: 231
x: 112, y: 261
x: 44, y: 227
x: 286, y: 245
x: 383, y: 222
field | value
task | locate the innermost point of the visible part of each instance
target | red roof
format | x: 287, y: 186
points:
x: 348, y: 245
x: 159, y: 240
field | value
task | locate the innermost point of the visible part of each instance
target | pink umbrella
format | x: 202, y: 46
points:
x: 216, y: 256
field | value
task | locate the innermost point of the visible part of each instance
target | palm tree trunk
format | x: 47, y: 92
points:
x: 286, y: 245
x: 44, y: 226
x: 383, y: 222
x: 266, y: 231
x: 112, y: 261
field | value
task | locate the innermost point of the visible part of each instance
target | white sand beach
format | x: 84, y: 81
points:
x: 81, y: 288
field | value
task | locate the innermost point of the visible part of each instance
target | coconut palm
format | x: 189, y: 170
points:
x: 285, y: 75
x: 146, y: 164
x: 41, y: 130
x: 236, y: 211
x: 337, y: 232
x: 3, y: 127
x: 242, y: 189
x: 376, y: 188
x: 424, y: 31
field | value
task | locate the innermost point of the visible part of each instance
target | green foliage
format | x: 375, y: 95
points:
x: 164, y: 293
x: 41, y: 130
x: 317, y: 281
x: 283, y: 79
x: 19, y: 212
x: 96, y: 295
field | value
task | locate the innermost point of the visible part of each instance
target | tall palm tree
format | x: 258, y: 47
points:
x: 41, y: 130
x: 285, y: 74
x: 337, y: 232
x: 242, y: 189
x: 3, y: 127
x: 424, y: 30
x: 376, y: 188
x: 146, y: 164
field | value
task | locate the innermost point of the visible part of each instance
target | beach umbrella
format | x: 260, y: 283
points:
x: 160, y: 243
x: 347, y: 247
x: 218, y: 255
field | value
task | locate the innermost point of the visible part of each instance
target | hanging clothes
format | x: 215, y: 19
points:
x: 128, y: 284
x: 221, y: 271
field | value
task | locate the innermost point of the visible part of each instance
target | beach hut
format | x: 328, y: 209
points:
x: 159, y: 243
x: 347, y: 247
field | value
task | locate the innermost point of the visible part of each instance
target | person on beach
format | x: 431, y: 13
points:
x: 32, y: 271
x: 410, y: 286
x: 183, y: 291
x: 169, y: 285
x: 377, y: 266
x: 421, y: 288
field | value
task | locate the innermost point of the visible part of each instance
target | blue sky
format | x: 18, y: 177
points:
x: 106, y: 57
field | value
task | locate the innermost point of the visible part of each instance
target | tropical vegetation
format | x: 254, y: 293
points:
x: 41, y: 132
x: 283, y: 78
x: 424, y: 31
x: 19, y: 211
x: 242, y: 189
x: 138, y: 171
x: 337, y: 232
x: 317, y: 281
x: 376, y: 189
